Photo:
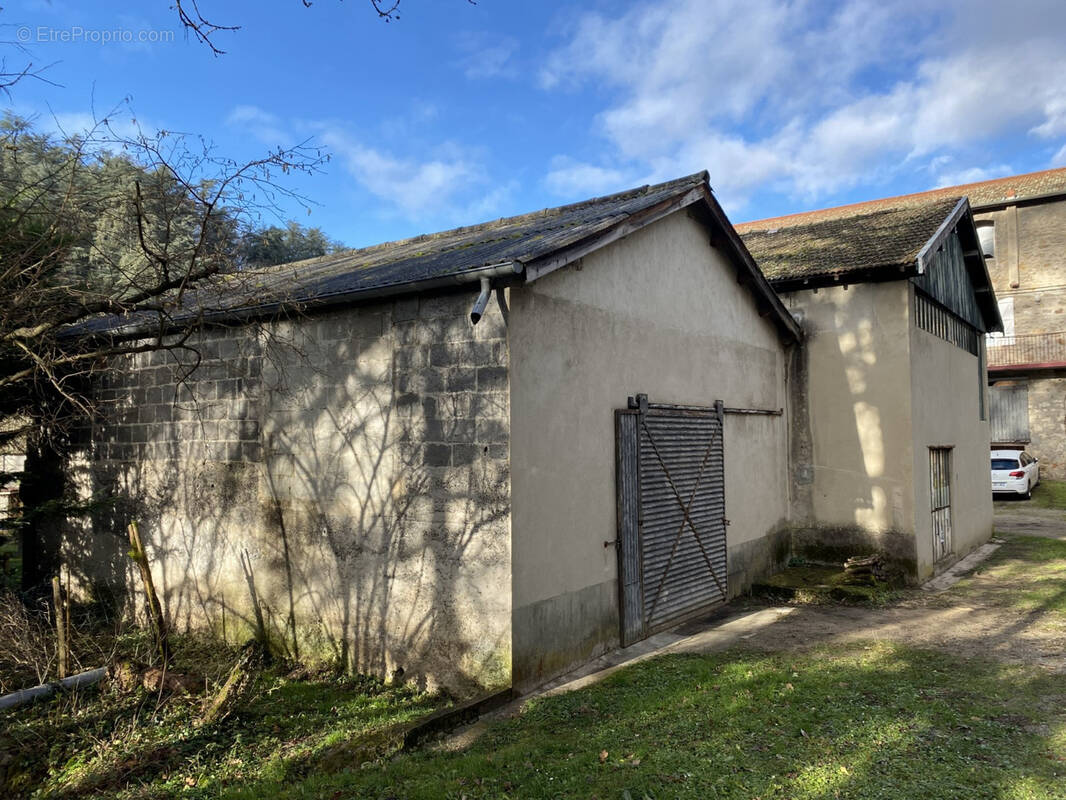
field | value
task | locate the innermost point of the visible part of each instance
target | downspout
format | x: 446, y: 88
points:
x: 482, y: 300
x: 509, y: 269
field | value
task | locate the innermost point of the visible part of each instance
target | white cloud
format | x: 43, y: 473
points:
x: 811, y: 98
x: 572, y: 178
x: 443, y: 184
x: 971, y: 175
x: 487, y: 55
x: 1055, y: 122
x: 120, y: 123
x: 413, y: 186
x: 264, y: 126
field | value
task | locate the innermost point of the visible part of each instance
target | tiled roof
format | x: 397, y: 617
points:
x: 411, y: 262
x: 1013, y: 188
x: 521, y: 239
x: 528, y: 241
x: 854, y: 242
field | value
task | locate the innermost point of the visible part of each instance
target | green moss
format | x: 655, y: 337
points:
x: 835, y: 544
x: 819, y: 584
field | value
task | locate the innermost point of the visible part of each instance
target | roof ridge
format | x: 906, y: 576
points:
x: 838, y: 212
x: 694, y: 179
x: 991, y: 181
x: 887, y: 202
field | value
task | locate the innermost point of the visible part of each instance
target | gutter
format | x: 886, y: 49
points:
x: 503, y: 270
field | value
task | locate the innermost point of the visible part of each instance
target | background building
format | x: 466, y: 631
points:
x: 1022, y: 222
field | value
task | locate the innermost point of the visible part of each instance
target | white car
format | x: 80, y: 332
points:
x: 1014, y: 472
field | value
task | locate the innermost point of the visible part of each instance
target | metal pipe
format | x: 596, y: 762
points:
x: 501, y: 300
x: 482, y: 301
x: 23, y: 696
x: 770, y: 412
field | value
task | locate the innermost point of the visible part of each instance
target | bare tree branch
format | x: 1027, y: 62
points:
x: 200, y: 27
x: 203, y: 29
x: 101, y: 225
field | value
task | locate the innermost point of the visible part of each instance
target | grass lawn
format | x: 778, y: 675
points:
x: 859, y: 721
x: 1026, y: 574
x: 1049, y: 494
x: 866, y: 720
x: 103, y: 744
x: 849, y: 721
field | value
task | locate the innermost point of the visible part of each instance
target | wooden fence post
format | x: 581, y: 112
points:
x: 155, y: 610
x: 62, y: 645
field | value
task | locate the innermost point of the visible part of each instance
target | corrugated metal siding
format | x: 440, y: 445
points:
x: 1009, y: 413
x: 947, y: 281
x: 681, y: 533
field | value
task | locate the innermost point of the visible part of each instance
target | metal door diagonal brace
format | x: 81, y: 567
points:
x: 686, y: 518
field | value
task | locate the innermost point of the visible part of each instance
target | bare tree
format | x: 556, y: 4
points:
x: 102, y: 231
x: 123, y: 226
x: 202, y: 29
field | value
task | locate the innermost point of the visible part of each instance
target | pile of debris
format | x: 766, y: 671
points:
x: 867, y: 571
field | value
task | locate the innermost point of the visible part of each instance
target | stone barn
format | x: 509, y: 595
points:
x: 476, y: 458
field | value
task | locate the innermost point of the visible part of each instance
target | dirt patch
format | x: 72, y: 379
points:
x: 964, y: 630
x: 1012, y: 608
x: 1018, y: 518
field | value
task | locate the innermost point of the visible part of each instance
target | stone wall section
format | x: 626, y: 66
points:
x: 1047, y: 423
x: 1030, y: 268
x: 338, y: 481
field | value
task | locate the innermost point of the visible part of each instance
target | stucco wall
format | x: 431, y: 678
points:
x: 858, y: 412
x: 659, y: 312
x: 345, y: 475
x: 945, y: 402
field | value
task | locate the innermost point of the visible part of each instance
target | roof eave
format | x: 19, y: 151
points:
x: 506, y: 272
x: 877, y: 274
x: 943, y: 231
x: 769, y: 301
x: 977, y: 269
x: 1018, y: 201
x: 961, y: 220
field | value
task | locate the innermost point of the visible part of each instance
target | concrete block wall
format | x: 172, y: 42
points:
x: 340, y: 481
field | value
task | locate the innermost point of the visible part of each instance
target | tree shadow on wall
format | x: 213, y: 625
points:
x: 286, y: 491
x: 381, y: 546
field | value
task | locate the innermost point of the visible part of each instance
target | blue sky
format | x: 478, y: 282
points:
x: 457, y: 113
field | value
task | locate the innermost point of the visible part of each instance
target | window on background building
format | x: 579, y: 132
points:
x: 1006, y: 313
x: 986, y: 232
